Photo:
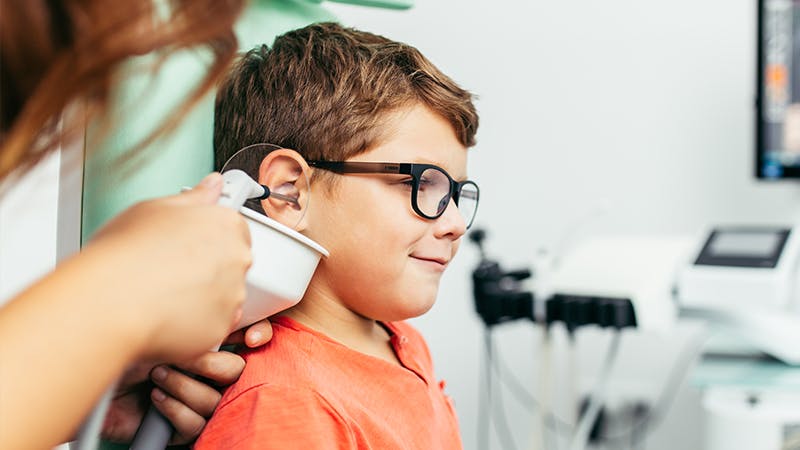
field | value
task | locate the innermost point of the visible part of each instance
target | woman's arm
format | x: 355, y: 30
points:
x: 63, y: 342
x: 163, y: 281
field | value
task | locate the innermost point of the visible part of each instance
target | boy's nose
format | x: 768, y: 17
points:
x: 450, y: 223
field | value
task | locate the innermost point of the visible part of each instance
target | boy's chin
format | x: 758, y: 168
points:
x: 408, y: 311
x: 420, y: 310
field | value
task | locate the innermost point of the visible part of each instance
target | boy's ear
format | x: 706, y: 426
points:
x: 286, y: 172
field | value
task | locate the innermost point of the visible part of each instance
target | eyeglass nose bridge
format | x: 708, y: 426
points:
x: 454, y: 193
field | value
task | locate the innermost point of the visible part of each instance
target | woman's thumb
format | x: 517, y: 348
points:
x: 208, y: 190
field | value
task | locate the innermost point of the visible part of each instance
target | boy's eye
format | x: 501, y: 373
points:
x: 426, y: 183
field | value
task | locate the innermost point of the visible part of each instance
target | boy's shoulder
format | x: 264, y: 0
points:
x: 293, y: 354
x: 299, y: 356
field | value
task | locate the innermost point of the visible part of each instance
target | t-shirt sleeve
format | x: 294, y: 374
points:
x: 269, y: 417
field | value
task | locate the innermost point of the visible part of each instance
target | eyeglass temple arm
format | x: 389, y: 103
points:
x: 361, y: 167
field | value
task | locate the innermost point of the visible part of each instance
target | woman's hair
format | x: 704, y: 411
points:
x: 328, y: 92
x: 56, y: 52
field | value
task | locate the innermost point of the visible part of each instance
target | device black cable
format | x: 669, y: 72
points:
x: 501, y: 423
x: 597, y: 397
x: 678, y: 374
x: 653, y: 418
x: 552, y: 441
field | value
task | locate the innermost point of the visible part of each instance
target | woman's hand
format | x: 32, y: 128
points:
x: 163, y: 281
x: 177, y: 266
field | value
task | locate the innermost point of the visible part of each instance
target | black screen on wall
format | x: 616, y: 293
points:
x: 778, y: 90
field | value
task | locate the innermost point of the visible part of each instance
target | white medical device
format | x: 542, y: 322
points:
x: 745, y: 279
x: 749, y: 268
x: 639, y: 268
x: 283, y: 259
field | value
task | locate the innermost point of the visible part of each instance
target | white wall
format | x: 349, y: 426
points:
x: 639, y: 108
x: 28, y: 226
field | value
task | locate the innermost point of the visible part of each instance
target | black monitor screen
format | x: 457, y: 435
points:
x: 778, y: 97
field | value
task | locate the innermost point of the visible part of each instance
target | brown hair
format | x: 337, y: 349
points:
x: 326, y: 91
x: 53, y: 52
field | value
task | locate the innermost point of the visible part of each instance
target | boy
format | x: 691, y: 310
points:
x: 343, y: 370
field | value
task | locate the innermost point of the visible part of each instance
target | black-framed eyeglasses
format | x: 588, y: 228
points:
x: 431, y: 187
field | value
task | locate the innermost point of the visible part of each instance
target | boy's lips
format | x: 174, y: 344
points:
x: 433, y: 260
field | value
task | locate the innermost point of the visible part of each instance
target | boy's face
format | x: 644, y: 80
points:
x: 385, y: 261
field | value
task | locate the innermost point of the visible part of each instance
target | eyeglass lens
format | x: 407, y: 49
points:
x: 468, y: 202
x: 433, y: 195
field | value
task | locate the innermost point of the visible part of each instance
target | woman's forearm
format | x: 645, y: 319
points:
x: 147, y: 287
x: 52, y: 373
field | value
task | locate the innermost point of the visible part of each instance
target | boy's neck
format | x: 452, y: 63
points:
x: 352, y: 330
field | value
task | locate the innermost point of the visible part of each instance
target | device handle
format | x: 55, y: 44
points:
x: 155, y: 430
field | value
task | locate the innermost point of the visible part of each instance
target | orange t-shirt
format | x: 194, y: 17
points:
x: 303, y: 390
